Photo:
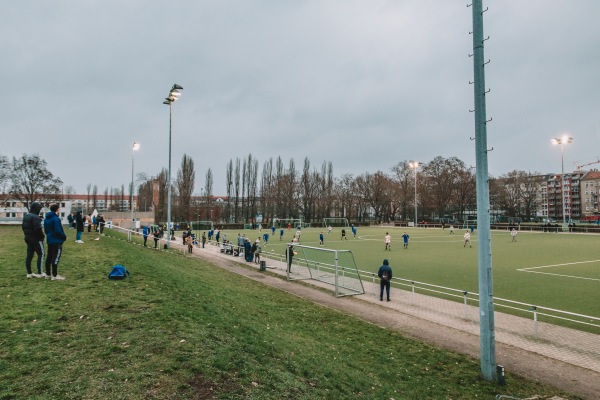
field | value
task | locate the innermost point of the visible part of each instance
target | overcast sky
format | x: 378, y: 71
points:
x: 363, y: 84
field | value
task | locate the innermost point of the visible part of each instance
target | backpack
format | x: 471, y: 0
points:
x: 118, y: 272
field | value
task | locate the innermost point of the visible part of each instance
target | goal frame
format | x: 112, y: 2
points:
x: 198, y: 224
x: 295, y: 222
x: 317, y: 270
x: 326, y: 222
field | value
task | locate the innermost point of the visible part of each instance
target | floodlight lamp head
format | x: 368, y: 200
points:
x: 136, y: 146
x: 167, y: 102
x: 176, y: 86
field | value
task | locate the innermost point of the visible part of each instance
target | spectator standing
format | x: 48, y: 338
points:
x: 256, y: 249
x: 321, y: 239
x: 55, y: 237
x: 190, y: 243
x: 71, y: 220
x: 79, y: 225
x: 385, y: 276
x: 145, y: 234
x: 34, y: 238
x: 88, y: 219
x: 290, y: 256
x: 101, y: 223
x: 157, y: 234
x: 248, y: 255
x: 203, y: 239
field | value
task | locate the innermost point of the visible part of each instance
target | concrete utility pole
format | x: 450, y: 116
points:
x: 484, y: 248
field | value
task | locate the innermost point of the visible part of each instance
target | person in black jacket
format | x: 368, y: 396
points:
x: 79, y: 224
x: 385, y: 276
x: 34, y: 237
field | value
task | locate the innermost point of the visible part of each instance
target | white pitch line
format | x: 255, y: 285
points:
x: 565, y: 276
x: 557, y: 265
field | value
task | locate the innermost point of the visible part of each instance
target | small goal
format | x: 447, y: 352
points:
x: 339, y: 222
x: 284, y: 222
x: 334, y: 267
x: 202, y: 225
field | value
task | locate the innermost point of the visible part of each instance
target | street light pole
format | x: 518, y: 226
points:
x: 173, y: 96
x: 415, y: 165
x: 561, y: 141
x: 134, y: 148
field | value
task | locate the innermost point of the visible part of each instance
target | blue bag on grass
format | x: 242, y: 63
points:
x: 118, y: 272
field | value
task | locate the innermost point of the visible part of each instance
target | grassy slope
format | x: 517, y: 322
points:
x: 182, y: 328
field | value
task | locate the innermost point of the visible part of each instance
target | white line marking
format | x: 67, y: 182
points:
x: 560, y: 265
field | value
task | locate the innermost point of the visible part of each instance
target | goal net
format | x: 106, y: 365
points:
x: 334, y: 267
x: 293, y: 222
x: 343, y: 222
x: 202, y: 225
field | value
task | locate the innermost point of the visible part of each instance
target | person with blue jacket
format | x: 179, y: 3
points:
x: 145, y: 233
x: 55, y: 237
x: 385, y: 277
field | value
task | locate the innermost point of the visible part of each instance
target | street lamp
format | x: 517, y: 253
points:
x: 134, y: 148
x: 415, y: 166
x: 173, y: 96
x: 562, y: 141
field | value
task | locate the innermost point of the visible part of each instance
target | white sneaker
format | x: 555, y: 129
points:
x: 42, y: 275
x: 79, y: 241
x: 29, y: 276
x: 58, y: 278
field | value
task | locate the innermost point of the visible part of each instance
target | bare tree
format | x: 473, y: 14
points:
x: 32, y: 181
x: 87, y: 203
x: 403, y: 194
x: 68, y: 192
x: 186, y: 175
x: 4, y: 172
x: 376, y: 190
x: 208, y: 189
x: 465, y: 192
x: 229, y: 186
x: 438, y: 184
x: 94, y: 196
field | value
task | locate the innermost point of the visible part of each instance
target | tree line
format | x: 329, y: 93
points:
x: 444, y: 187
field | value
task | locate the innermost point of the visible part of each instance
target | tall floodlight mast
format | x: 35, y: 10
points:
x: 484, y: 248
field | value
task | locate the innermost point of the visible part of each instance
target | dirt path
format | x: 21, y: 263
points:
x: 565, y: 376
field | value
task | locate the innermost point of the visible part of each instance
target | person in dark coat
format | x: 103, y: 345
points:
x: 101, y: 222
x: 385, y: 277
x: 290, y: 256
x: 55, y: 236
x: 34, y: 237
x: 248, y: 254
x: 79, y: 225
